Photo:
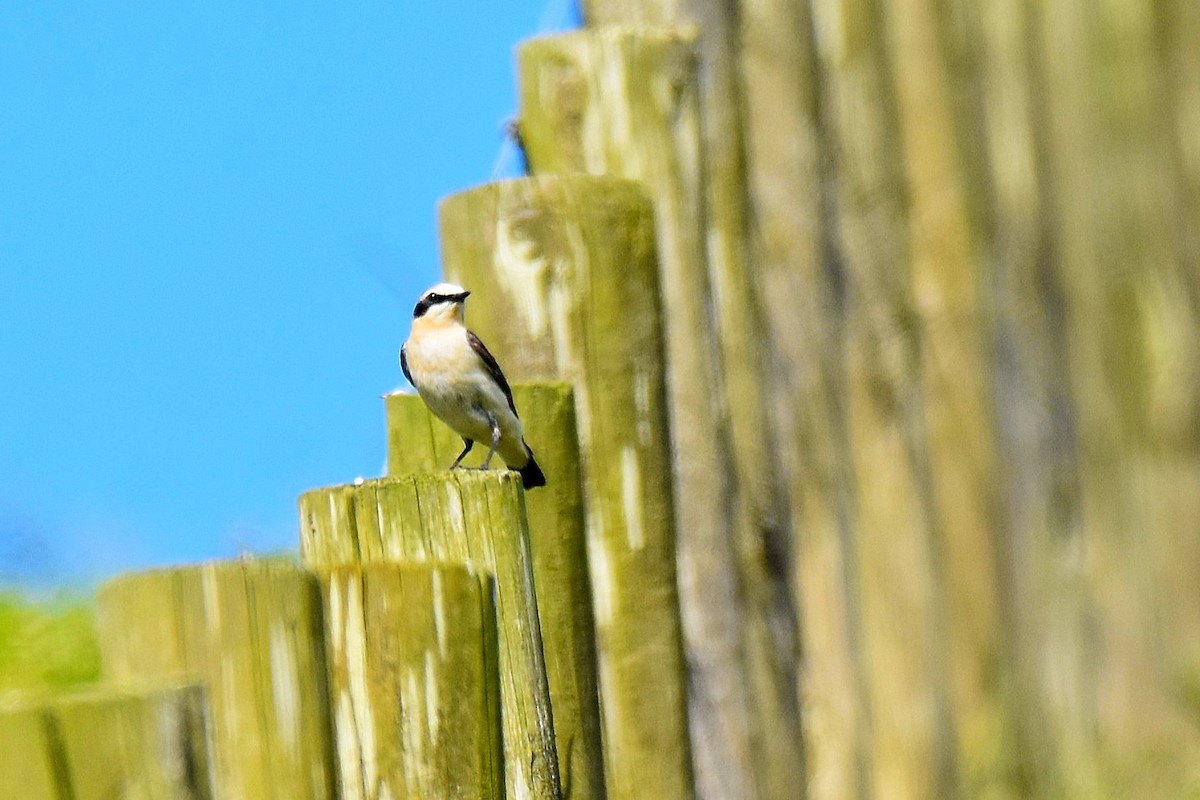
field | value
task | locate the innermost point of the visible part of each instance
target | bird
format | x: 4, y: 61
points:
x: 461, y: 383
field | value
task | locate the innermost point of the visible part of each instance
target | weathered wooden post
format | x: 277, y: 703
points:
x: 29, y: 759
x: 414, y: 681
x: 135, y: 744
x: 469, y: 517
x: 745, y: 707
x: 800, y: 280
x: 103, y: 743
x: 569, y: 268
x: 995, y: 93
x: 418, y: 442
x: 1120, y: 190
x: 252, y: 633
x: 626, y: 102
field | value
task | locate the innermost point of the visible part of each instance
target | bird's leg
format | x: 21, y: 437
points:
x: 495, y: 441
x: 469, y: 444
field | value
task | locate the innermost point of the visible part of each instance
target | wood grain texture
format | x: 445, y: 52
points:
x: 107, y: 742
x: 568, y: 267
x: 252, y: 633
x: 418, y: 442
x: 476, y: 518
x: 635, y: 103
x: 414, y: 681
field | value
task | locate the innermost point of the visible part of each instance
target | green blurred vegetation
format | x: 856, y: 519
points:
x: 47, y: 645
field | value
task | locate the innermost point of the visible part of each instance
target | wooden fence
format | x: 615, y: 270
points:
x: 860, y: 345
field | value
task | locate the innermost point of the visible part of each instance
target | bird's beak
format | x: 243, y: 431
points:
x: 461, y: 297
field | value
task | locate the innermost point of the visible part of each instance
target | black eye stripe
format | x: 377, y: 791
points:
x: 433, y: 299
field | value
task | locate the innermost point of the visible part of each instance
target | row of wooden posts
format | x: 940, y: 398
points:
x: 880, y: 327
x: 410, y: 656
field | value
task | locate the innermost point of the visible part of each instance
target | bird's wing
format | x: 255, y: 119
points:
x: 404, y: 365
x: 493, y: 368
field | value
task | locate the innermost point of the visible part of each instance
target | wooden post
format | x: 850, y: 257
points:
x: 911, y: 725
x: 950, y: 260
x: 252, y: 633
x: 27, y: 756
x: 418, y: 442
x: 137, y: 745
x: 568, y: 267
x: 626, y: 102
x: 331, y: 509
x: 477, y: 518
x: 1119, y: 128
x: 414, y: 681
x: 798, y: 273
x: 104, y: 743
x: 745, y: 707
x: 996, y: 79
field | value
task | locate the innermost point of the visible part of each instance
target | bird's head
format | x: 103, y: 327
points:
x: 441, y: 304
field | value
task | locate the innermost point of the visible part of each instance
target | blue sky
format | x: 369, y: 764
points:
x: 214, y: 220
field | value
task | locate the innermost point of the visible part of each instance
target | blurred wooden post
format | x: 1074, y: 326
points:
x: 1120, y: 142
x: 748, y: 744
x: 951, y: 262
x: 141, y: 744
x: 998, y: 88
x: 419, y: 442
x: 800, y: 278
x: 135, y: 744
x: 569, y: 271
x: 912, y: 728
x: 252, y: 633
x: 30, y: 757
x: 414, y: 682
x: 626, y: 102
x: 456, y: 517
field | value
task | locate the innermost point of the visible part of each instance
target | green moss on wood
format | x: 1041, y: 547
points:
x: 568, y: 268
x: 417, y: 441
x: 414, y: 681
x: 476, y: 518
x: 252, y: 633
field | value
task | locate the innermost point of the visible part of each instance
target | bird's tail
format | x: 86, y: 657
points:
x: 531, y: 473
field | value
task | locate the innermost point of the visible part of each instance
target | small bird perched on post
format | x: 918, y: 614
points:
x: 462, y: 384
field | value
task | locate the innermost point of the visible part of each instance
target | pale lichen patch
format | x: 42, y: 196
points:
x: 566, y: 322
x: 212, y: 603
x: 519, y: 783
x: 432, y: 717
x: 356, y: 674
x: 631, y: 498
x: 614, y: 83
x: 411, y: 709
x: 454, y: 519
x: 521, y: 269
x: 349, y: 749
x: 228, y: 692
x: 603, y: 589
x: 379, y: 519
x: 336, y: 622
x: 285, y: 689
x: 559, y: 300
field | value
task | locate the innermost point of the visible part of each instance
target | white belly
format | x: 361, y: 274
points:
x: 455, y: 384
